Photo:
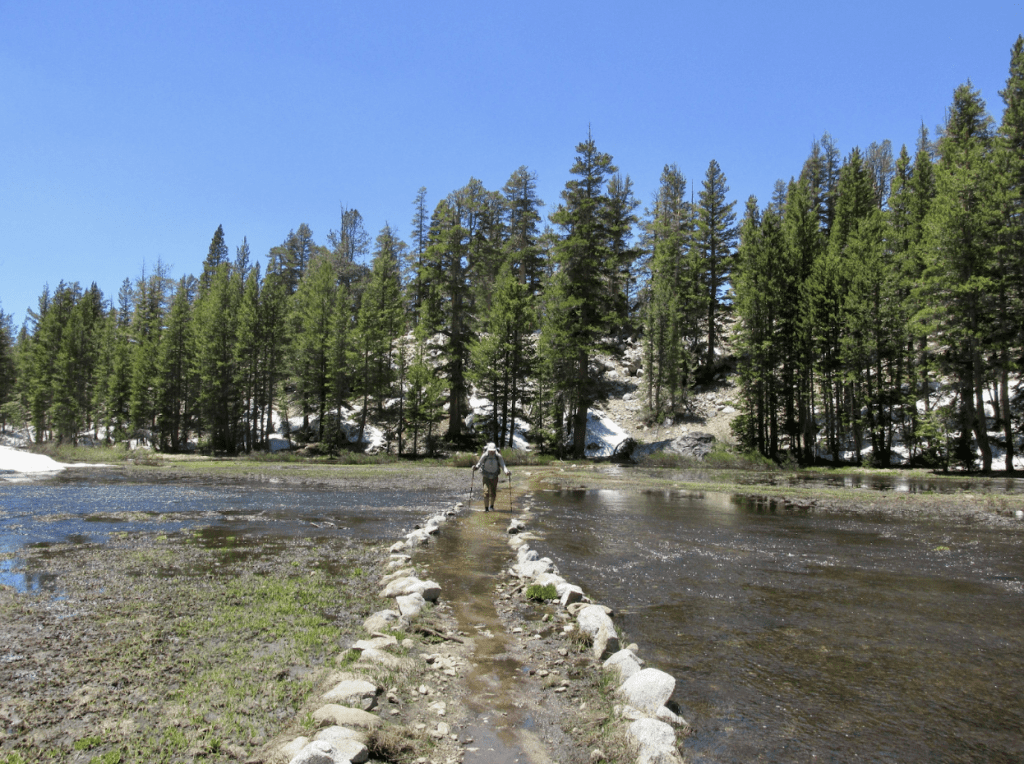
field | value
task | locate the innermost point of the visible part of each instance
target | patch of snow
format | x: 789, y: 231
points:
x: 603, y: 434
x: 15, y: 464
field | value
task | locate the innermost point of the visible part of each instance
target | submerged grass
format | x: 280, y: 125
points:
x: 207, y: 665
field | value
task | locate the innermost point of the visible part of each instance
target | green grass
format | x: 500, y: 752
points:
x: 538, y: 592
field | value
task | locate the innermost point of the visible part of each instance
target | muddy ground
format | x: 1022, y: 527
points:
x: 154, y: 647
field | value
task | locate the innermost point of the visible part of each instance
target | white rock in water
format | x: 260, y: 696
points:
x: 650, y: 733
x: 625, y: 663
x: 648, y: 690
x: 570, y: 594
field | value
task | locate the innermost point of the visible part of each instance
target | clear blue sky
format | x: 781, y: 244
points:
x: 130, y: 130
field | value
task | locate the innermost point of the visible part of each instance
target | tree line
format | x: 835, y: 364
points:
x: 880, y: 299
x: 873, y: 299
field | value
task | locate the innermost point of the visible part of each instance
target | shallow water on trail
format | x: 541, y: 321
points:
x: 803, y: 638
x: 89, y: 509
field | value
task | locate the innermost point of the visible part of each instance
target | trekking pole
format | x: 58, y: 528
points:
x: 472, y: 477
x: 510, y: 493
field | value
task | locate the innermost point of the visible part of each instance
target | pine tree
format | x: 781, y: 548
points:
x: 8, y: 370
x: 175, y: 372
x: 424, y: 398
x: 465, y: 248
x: 249, y: 361
x: 958, y: 283
x: 523, y: 219
x: 582, y: 300
x: 715, y: 239
x: 314, y: 305
x: 673, y: 304
x: 803, y: 247
x: 414, y: 267
x: 217, y: 254
x: 502, y: 356
x: 117, y: 395
x: 217, y: 405
x: 149, y: 308
x: 380, y: 325
x: 290, y: 258
x: 1010, y: 243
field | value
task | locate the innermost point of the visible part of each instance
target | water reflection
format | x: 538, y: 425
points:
x: 798, y: 638
x: 89, y: 509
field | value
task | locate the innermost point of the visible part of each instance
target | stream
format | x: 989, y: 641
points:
x: 802, y: 638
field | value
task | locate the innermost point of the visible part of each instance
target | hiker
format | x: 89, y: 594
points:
x: 492, y: 465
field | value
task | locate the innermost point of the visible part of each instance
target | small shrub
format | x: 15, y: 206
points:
x: 538, y: 592
x: 461, y: 459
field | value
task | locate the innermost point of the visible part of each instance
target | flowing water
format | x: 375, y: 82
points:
x: 797, y: 638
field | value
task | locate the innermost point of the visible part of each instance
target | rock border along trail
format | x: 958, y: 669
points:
x: 489, y: 699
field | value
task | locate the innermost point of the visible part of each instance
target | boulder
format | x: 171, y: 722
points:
x: 570, y: 594
x: 317, y: 752
x: 593, y: 620
x: 405, y: 572
x: 380, y: 620
x: 648, y: 690
x: 410, y: 605
x: 354, y: 693
x: 333, y: 714
x: 695, y: 444
x: 550, y: 579
x: 650, y: 733
x: 417, y: 538
x: 625, y: 663
x: 606, y: 642
x: 381, y: 658
x: 592, y: 617
x: 530, y: 570
x: 525, y: 554
x: 290, y: 750
x: 429, y: 590
x: 656, y: 742
x: 349, y: 743
x: 669, y: 716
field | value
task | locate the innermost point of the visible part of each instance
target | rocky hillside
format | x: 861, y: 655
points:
x: 712, y: 411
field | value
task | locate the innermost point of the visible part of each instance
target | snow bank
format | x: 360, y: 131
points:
x: 15, y: 464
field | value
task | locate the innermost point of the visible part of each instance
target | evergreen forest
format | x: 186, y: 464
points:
x: 872, y: 305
